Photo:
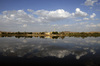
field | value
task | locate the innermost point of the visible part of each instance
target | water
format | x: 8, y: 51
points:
x: 50, y: 51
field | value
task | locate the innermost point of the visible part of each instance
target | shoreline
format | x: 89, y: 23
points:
x: 51, y: 34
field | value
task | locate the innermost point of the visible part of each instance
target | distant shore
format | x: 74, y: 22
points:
x: 51, y: 34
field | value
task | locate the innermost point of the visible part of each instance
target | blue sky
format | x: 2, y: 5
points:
x: 45, y: 15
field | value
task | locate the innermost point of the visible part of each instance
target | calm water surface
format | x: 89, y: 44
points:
x: 47, y: 51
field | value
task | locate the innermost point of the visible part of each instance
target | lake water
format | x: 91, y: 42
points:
x: 50, y: 51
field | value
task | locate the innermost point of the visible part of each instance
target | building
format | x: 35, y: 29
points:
x: 47, y: 33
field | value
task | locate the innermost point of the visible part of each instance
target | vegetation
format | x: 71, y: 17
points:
x: 42, y: 34
x: 83, y: 34
x: 55, y: 32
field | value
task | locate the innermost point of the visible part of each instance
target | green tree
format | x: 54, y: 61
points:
x: 55, y: 32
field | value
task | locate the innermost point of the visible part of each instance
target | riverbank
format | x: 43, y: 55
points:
x: 70, y: 34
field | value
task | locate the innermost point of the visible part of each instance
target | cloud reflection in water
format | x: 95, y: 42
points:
x: 47, y: 47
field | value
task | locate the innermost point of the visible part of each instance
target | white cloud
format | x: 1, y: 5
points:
x: 90, y: 2
x: 78, y: 20
x: 85, y: 18
x: 60, y: 13
x: 16, y: 16
x: 93, y: 25
x: 25, y: 25
x: 12, y: 15
x: 20, y: 16
x: 66, y: 25
x: 79, y: 13
x: 30, y: 10
x: 21, y: 12
x: 48, y: 16
x: 55, y: 25
x: 92, y: 16
x: 83, y: 23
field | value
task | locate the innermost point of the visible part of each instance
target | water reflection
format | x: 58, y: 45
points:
x: 51, y: 36
x: 32, y: 46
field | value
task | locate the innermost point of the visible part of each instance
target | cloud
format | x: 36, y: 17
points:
x: 90, y: 2
x: 55, y: 25
x: 79, y: 13
x: 16, y: 16
x: 20, y: 16
x: 60, y: 13
x: 66, y: 25
x: 86, y: 19
x: 25, y: 25
x: 93, y: 25
x: 29, y: 10
x: 48, y: 16
x: 92, y: 16
x: 78, y: 20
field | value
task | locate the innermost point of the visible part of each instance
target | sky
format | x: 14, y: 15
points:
x: 47, y: 15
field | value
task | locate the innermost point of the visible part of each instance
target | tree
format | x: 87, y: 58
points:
x: 55, y: 32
